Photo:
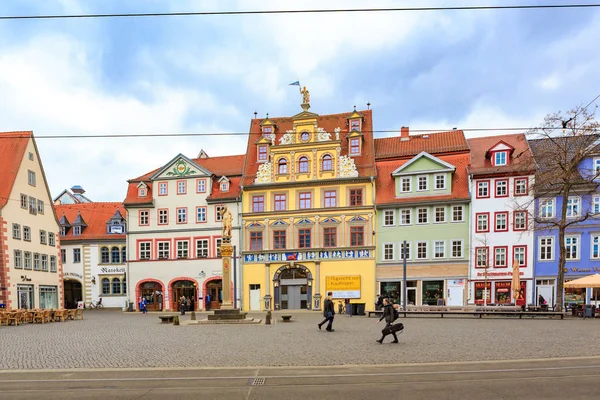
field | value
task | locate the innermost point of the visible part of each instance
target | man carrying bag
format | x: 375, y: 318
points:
x: 328, y: 313
x: 390, y: 315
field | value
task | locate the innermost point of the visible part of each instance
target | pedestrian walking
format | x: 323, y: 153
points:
x: 389, y: 316
x: 328, y: 313
x: 379, y: 302
x: 142, y: 305
x: 207, y: 302
x: 182, y: 302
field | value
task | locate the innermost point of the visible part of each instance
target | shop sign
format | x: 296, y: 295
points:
x: 499, y: 273
x: 74, y: 274
x: 583, y: 270
x: 112, y: 270
x: 343, y: 286
x: 308, y: 256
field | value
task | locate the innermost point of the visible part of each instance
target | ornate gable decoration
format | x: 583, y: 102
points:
x: 330, y: 221
x: 279, y: 223
x: 255, y: 225
x: 264, y: 173
x: 305, y: 221
x: 180, y: 167
x: 287, y: 138
x: 357, y: 218
x: 322, y: 135
x: 443, y: 165
x: 347, y: 167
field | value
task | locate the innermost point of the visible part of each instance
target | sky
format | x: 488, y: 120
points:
x: 206, y: 74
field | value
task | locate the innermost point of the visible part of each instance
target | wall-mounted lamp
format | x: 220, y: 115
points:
x: 25, y: 278
x: 93, y: 280
x: 202, y: 274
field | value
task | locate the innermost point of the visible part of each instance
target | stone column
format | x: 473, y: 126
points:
x: 315, y: 164
x: 343, y: 242
x: 317, y: 233
x: 292, y: 166
x: 317, y: 288
x: 227, y: 253
x: 267, y: 298
x: 267, y: 238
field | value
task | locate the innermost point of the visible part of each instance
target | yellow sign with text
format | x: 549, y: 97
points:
x: 343, y: 286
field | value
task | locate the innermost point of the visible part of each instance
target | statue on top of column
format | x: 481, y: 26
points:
x: 227, y: 220
x: 305, y: 95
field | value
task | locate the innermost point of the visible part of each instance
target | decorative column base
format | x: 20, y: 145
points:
x: 317, y: 302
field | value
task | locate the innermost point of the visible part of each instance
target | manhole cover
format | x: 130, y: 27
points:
x: 257, y: 381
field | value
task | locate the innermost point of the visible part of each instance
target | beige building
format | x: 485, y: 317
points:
x: 30, y: 267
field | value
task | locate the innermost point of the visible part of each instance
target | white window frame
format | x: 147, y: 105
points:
x: 500, y: 184
x: 53, y: 264
x: 166, y: 248
x: 523, y: 250
x: 404, y: 212
x: 596, y: 205
x: 183, y: 249
x: 462, y: 213
x: 435, y: 214
x: 594, y: 237
x: 424, y: 178
x: 145, y: 253
x: 18, y: 259
x: 498, y: 219
x: 16, y: 231
x: 407, y: 179
x: 573, y: 207
x: 525, y: 180
x: 438, y: 180
x: 200, y: 214
x: 435, y: 247
x: 516, y: 218
x: 462, y: 248
x: 482, y: 185
x: 31, y: 177
x: 544, y: 204
x: 546, y: 244
x: 182, y: 215
x: 51, y: 239
x: 385, y: 251
x: 486, y: 253
x: 181, y: 187
x: 161, y: 186
x: 419, y: 215
x: 500, y: 161
x: 501, y: 249
x: 202, y: 251
x: 596, y: 166
x: 575, y: 242
x: 388, y: 213
x: 426, y: 250
x: 201, y: 186
x: 408, y: 250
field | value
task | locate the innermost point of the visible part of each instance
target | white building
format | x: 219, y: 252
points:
x: 93, y: 253
x: 175, y: 230
x: 30, y: 270
x: 501, y: 173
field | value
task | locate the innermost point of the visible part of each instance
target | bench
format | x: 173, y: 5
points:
x: 480, y: 314
x: 166, y: 319
x: 286, y: 317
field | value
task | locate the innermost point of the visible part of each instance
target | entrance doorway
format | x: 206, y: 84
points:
x: 255, y: 297
x: 185, y: 289
x: 25, y: 296
x: 294, y: 289
x: 215, y: 290
x: 73, y: 293
x: 153, y: 293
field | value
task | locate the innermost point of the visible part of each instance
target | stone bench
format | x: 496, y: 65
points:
x: 286, y: 317
x: 166, y: 319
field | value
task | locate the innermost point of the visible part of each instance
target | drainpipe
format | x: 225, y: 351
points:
x: 127, y: 263
x: 374, y: 236
x: 240, y: 242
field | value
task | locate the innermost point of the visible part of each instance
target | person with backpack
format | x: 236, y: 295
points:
x: 328, y: 313
x: 390, y: 314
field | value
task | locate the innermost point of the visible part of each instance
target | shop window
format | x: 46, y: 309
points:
x: 432, y: 291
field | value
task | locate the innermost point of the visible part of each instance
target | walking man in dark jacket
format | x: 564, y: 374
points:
x: 328, y: 313
x: 388, y: 315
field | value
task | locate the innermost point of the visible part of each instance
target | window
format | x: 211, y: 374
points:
x: 27, y: 264
x: 145, y: 250
x: 500, y: 256
x: 23, y: 201
x: 501, y: 224
x: 27, y: 233
x: 422, y: 250
x: 546, y: 248
x: 279, y: 240
x: 53, y: 264
x: 405, y: 216
x: 31, y: 177
x: 115, y: 255
x: 520, y: 255
x: 218, y: 211
x: 182, y: 215
x: 502, y: 188
x: 164, y: 250
x: 329, y: 237
x: 63, y: 255
x: 123, y: 254
x: 355, y: 125
x: 482, y: 222
x: 43, y: 237
x: 18, y: 255
x: 521, y: 187
x: 547, y: 208
x: 327, y: 163
x: 305, y: 200
x: 142, y: 192
x: 183, y: 248
x: 267, y: 131
x: 356, y: 197
x: 181, y: 187
x: 483, y: 189
x: 402, y: 249
x: 500, y: 158
x: 457, y: 249
x: 40, y: 207
x: 388, y: 251
x: 258, y: 203
x: 423, y: 183
x: 304, y: 136
x: 595, y: 246
x: 262, y: 152
x: 282, y: 166
x: 144, y: 217
x: 77, y: 230
x: 116, y: 286
x: 304, y: 238
x: 201, y: 248
x: 280, y: 202
x: 45, y: 262
x: 482, y: 256
x: 354, y: 146
x: 163, y: 188
x: 573, y: 207
x: 32, y: 206
x: 405, y: 184
x: 163, y: 217
x: 303, y: 165
x: 256, y: 242
x: 218, y: 246
x: 200, y: 214
x: 440, y: 214
x: 439, y: 249
x: 596, y: 205
x: 76, y: 255
x: 572, y: 247
x: 224, y: 186
x: 389, y: 217
x: 201, y: 186
x: 440, y: 182
x: 16, y: 231
x: 105, y: 286
x: 422, y: 215
x: 104, y: 255
x: 520, y: 220
x: 52, y: 239
x: 357, y: 236
x: 330, y: 198
x: 457, y: 214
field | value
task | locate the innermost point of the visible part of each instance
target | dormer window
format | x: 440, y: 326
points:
x: 262, y: 152
x: 355, y: 125
x: 282, y: 166
x: 224, y: 186
x: 500, y: 158
x: 76, y: 230
x: 142, y: 192
x: 354, y: 146
x: 267, y: 130
x: 63, y: 231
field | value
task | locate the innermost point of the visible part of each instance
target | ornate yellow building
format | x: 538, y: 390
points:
x: 308, y: 213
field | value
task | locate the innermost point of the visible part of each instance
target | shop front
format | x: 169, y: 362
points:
x: 498, y: 292
x: 152, y: 292
x: 184, y: 289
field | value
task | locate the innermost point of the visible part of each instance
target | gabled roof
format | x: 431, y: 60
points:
x: 95, y: 214
x: 444, y: 165
x: 520, y: 161
x: 501, y: 142
x: 201, y: 171
x: 64, y: 221
x: 79, y: 221
x: 432, y: 143
x: 12, y: 151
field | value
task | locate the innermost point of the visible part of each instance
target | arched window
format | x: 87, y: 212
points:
x: 303, y: 164
x: 304, y: 136
x: 282, y: 166
x: 104, y: 255
x: 114, y: 255
x: 124, y: 286
x: 327, y: 163
x: 123, y: 254
x: 105, y: 286
x: 116, y: 286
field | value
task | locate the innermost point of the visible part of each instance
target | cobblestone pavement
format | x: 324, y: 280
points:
x: 110, y: 339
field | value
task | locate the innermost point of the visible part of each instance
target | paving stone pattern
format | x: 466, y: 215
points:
x: 109, y: 339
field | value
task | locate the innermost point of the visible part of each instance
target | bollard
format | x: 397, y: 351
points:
x: 176, y: 320
x: 193, y: 315
x: 268, y: 318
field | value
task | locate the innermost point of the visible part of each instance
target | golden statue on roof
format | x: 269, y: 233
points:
x: 305, y: 95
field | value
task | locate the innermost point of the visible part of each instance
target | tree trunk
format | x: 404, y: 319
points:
x: 562, y: 254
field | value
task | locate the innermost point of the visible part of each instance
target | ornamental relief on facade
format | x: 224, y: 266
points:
x: 347, y: 167
x: 264, y: 173
x: 287, y: 138
x: 322, y: 135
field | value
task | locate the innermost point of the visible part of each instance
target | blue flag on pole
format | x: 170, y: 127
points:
x: 297, y: 83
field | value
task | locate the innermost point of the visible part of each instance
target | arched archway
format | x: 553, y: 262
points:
x: 292, y: 288
x: 73, y: 292
x: 213, y: 286
x: 153, y: 291
x: 183, y: 286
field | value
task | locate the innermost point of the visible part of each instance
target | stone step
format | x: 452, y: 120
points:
x: 227, y: 317
x: 225, y: 312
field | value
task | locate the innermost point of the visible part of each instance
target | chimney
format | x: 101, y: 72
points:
x: 404, y: 134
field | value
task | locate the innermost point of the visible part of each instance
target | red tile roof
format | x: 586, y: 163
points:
x: 12, y: 150
x: 132, y: 194
x: 386, y: 186
x: 234, y: 191
x: 95, y: 215
x: 365, y: 163
x: 432, y: 143
x: 521, y: 159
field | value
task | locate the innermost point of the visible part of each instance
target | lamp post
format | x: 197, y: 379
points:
x: 404, y: 267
